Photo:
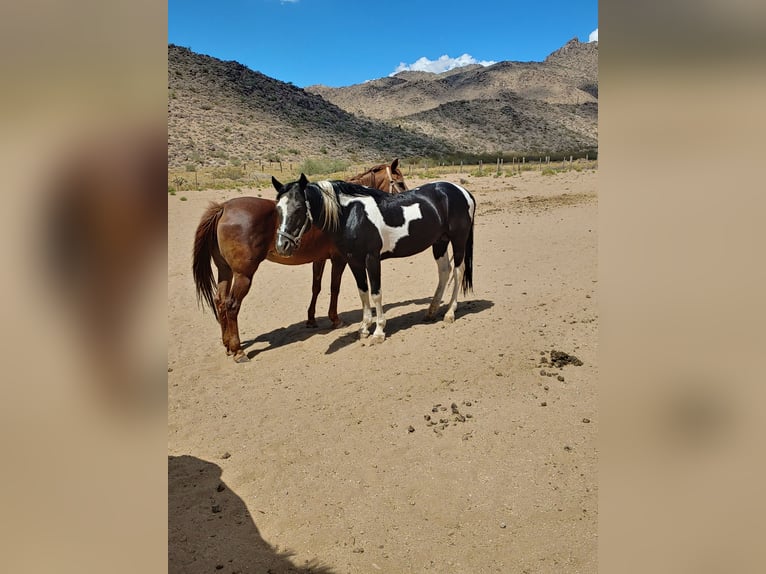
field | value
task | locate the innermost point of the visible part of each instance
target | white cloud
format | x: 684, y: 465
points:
x: 442, y: 64
x: 593, y: 36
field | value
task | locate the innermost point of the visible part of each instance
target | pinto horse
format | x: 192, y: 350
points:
x: 367, y: 226
x: 240, y: 233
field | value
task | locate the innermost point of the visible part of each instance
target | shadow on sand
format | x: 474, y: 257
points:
x: 298, y: 332
x: 397, y: 323
x: 210, y: 529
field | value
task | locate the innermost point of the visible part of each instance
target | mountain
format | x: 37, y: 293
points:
x: 509, y: 106
x: 222, y: 112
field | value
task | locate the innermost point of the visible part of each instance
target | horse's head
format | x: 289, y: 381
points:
x: 293, y: 214
x: 395, y: 178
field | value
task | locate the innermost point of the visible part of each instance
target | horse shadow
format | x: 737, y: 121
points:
x: 210, y: 528
x: 397, y: 323
x: 298, y: 332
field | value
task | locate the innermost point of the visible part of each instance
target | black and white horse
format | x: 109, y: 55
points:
x: 368, y: 225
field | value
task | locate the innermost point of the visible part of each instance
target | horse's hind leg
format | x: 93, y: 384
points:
x: 219, y: 300
x: 442, y: 262
x: 239, y: 288
x: 316, y: 287
x: 459, y: 254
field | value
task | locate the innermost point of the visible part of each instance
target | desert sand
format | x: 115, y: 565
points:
x: 443, y: 449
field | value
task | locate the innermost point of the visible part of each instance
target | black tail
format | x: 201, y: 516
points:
x: 205, y: 244
x: 468, y: 260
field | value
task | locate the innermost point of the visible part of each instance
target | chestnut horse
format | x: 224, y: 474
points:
x: 240, y: 233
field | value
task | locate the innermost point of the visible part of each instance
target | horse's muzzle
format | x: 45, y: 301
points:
x: 286, y: 244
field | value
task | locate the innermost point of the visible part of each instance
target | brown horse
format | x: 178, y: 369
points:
x: 241, y: 232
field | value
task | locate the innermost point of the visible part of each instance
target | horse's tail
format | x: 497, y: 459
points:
x: 205, y: 244
x: 468, y: 260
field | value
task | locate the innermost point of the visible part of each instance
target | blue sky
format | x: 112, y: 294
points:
x: 344, y: 42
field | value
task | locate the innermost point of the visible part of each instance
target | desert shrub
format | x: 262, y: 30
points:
x: 548, y: 171
x: 228, y: 172
x: 312, y: 166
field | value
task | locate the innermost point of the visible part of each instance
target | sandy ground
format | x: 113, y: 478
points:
x: 318, y: 455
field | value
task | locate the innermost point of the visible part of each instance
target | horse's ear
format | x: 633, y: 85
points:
x: 394, y: 164
x: 275, y: 182
x: 303, y: 182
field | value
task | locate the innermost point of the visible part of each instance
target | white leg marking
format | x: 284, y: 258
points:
x: 380, y: 319
x: 443, y: 263
x: 449, y: 316
x: 364, y: 326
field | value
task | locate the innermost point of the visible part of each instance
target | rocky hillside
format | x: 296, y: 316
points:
x: 222, y: 113
x: 509, y: 106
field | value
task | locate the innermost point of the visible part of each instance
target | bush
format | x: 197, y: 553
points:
x: 228, y: 172
x: 314, y: 166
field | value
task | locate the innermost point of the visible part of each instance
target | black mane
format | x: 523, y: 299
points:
x: 357, y: 190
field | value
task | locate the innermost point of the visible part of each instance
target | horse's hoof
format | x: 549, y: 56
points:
x: 241, y: 358
x: 311, y: 324
x: 449, y: 317
x: 377, y: 338
x: 364, y: 334
x: 338, y: 323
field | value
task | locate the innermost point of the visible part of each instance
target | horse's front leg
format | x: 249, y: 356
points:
x: 360, y: 274
x: 316, y: 287
x: 373, y: 270
x: 338, y: 263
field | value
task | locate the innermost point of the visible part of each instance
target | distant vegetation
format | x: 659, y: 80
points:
x: 313, y: 166
x: 258, y: 182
